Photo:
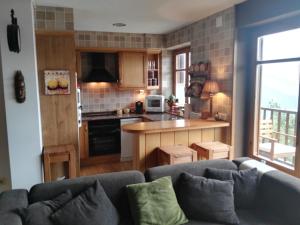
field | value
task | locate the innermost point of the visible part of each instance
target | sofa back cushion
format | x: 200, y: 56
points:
x: 194, y: 168
x: 279, y: 194
x: 114, y: 185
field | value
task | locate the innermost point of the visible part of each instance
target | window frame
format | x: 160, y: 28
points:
x: 187, y: 51
x: 255, y: 94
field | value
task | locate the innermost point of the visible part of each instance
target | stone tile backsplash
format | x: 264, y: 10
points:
x: 53, y: 18
x: 101, y: 97
x: 94, y: 39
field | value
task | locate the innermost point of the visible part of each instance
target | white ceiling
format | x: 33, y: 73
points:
x: 141, y: 16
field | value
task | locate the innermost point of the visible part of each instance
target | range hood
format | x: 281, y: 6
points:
x: 102, y: 67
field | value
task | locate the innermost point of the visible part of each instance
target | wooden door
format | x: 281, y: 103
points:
x: 132, y: 69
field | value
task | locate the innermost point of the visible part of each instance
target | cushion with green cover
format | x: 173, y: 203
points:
x: 155, y: 203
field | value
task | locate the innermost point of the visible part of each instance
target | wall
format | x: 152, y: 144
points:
x: 5, y: 178
x: 281, y: 14
x: 101, y: 97
x: 22, y: 120
x: 86, y: 39
x: 53, y: 18
x: 214, y: 44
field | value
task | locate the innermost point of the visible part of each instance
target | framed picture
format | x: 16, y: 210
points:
x: 57, y: 82
x: 196, y: 87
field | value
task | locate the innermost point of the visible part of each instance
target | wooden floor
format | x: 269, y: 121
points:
x: 105, y: 168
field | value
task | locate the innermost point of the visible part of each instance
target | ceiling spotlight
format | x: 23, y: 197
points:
x: 119, y: 24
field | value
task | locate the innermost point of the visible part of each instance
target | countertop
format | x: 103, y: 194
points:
x: 172, y: 125
x: 148, y: 116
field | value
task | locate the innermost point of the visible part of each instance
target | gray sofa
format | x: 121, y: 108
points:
x: 278, y: 201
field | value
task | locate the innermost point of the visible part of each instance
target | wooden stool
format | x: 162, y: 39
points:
x: 56, y: 154
x: 212, y: 150
x: 170, y: 155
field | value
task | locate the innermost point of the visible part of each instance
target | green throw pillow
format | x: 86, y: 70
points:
x: 155, y: 203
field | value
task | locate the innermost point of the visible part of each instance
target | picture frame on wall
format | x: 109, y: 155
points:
x: 57, y: 82
x: 198, y: 73
x: 194, y: 90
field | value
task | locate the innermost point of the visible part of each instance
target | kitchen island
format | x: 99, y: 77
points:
x: 151, y: 135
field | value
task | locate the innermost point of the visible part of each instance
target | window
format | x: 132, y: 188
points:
x: 182, y: 61
x: 277, y: 97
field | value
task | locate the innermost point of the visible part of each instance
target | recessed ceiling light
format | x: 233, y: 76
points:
x: 119, y: 24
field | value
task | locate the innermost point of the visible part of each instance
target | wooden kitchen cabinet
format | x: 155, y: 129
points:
x: 84, y: 140
x: 133, y: 66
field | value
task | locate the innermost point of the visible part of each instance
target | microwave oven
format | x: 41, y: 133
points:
x: 155, y: 103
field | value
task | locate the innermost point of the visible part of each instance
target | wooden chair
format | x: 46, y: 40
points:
x: 59, y: 154
x: 269, y: 145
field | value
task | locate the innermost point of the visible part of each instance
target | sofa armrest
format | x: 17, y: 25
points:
x: 279, y: 194
x: 15, y: 199
x: 10, y: 218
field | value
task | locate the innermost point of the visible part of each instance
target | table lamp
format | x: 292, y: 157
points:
x: 211, y: 88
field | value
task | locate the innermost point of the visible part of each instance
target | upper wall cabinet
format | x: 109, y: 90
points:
x: 133, y: 66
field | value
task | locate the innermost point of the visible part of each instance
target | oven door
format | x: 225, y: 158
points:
x: 104, y: 137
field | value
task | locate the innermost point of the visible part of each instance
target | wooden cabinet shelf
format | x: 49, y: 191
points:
x: 153, y: 71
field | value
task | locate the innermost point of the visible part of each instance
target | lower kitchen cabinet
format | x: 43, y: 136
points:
x: 84, y: 140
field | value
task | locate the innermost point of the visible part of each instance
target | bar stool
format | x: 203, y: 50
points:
x: 175, y: 154
x: 57, y: 154
x: 212, y: 150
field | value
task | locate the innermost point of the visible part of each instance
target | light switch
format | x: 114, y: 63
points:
x: 219, y: 21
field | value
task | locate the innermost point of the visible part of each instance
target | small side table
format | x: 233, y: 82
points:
x: 170, y: 155
x: 57, y: 154
x: 212, y: 150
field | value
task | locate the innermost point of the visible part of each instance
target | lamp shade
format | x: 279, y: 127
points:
x: 211, y: 87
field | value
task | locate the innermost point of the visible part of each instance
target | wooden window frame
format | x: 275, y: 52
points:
x: 176, y: 52
x: 255, y: 94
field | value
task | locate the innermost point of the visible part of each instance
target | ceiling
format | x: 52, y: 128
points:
x: 141, y: 16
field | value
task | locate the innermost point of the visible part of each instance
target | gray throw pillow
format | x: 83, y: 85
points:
x: 207, y: 199
x: 39, y: 213
x: 245, y: 184
x: 91, y: 207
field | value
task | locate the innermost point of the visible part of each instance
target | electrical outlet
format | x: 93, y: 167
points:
x: 219, y: 21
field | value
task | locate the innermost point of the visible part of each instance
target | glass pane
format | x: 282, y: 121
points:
x: 180, y: 61
x: 180, y: 86
x: 279, y: 96
x: 281, y: 45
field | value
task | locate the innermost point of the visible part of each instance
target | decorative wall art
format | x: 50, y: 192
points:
x: 199, y: 73
x: 57, y: 82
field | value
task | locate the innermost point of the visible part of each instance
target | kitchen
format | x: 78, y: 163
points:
x: 136, y: 65
x: 108, y: 104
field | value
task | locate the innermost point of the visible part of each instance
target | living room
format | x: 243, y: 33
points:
x: 137, y: 94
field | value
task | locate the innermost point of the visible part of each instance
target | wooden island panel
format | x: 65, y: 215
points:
x: 148, y: 142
